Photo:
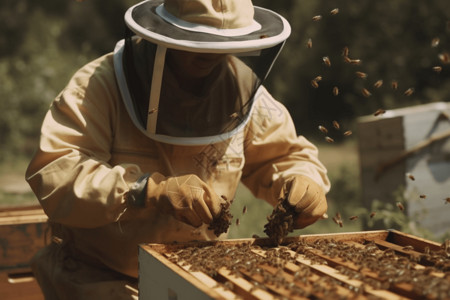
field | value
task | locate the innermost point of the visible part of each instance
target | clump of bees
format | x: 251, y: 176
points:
x: 222, y: 222
x: 281, y: 221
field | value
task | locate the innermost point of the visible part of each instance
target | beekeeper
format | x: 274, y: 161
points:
x: 146, y: 143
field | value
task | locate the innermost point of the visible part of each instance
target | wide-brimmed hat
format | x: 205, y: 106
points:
x: 220, y: 26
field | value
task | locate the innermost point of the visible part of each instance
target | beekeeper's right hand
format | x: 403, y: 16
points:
x: 186, y: 197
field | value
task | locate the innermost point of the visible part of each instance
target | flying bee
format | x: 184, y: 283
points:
x: 326, y: 61
x: 348, y: 133
x: 378, y: 84
x: 435, y: 42
x: 355, y: 61
x: 334, y: 11
x: 329, y: 140
x: 309, y: 44
x: 361, y: 74
x: 345, y: 51
x: 422, y: 196
x: 347, y: 60
x: 437, y: 69
x: 379, y: 111
x: 314, y: 84
x: 318, y: 78
x: 365, y: 92
x: 394, y: 84
x: 411, y: 176
x: 409, y: 92
x: 335, y: 91
x: 336, y: 125
x: 353, y: 218
x: 444, y: 57
x: 317, y: 18
x: 400, y: 206
x: 323, y: 129
x: 372, y: 214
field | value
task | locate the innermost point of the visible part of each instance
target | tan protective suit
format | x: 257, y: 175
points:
x: 90, y: 153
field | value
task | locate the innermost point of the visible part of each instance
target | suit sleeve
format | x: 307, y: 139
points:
x: 69, y: 172
x: 274, y: 152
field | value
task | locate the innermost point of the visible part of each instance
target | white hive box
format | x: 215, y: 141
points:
x: 416, y: 141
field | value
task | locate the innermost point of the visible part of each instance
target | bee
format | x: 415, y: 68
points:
x: 400, y: 206
x: 378, y: 84
x: 323, y: 129
x: 153, y: 110
x: 361, y: 74
x: 437, y: 69
x: 435, y: 42
x: 314, y: 84
x: 447, y: 200
x: 347, y: 60
x: 318, y: 78
x: 263, y: 36
x: 334, y: 11
x: 224, y: 197
x: 355, y: 61
x: 237, y: 222
x: 422, y: 196
x: 444, y: 57
x: 379, y: 111
x: 353, y: 218
x: 411, y: 176
x: 372, y: 214
x: 244, y: 210
x: 336, y: 125
x: 408, y: 248
x: 309, y: 44
x: 337, y: 221
x: 365, y: 92
x: 394, y: 84
x: 348, y: 133
x: 335, y: 91
x: 317, y: 18
x: 329, y: 140
x: 345, y: 51
x: 409, y: 92
x: 326, y: 61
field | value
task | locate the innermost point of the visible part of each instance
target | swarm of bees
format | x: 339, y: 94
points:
x: 293, y: 268
x: 222, y: 222
x: 280, y: 221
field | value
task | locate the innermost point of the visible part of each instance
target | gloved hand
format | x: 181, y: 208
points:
x: 186, y: 197
x: 308, y: 199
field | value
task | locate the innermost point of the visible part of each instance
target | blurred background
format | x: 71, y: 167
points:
x: 42, y: 43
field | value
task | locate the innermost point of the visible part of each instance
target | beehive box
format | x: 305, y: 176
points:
x: 22, y: 231
x: 360, y: 265
x: 409, y: 148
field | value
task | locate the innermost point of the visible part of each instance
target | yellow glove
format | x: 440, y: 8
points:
x: 308, y: 199
x: 186, y: 197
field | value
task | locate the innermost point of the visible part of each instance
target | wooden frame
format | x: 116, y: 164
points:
x: 162, y: 278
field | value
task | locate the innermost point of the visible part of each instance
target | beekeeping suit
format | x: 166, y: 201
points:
x: 140, y: 148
